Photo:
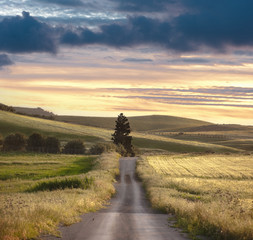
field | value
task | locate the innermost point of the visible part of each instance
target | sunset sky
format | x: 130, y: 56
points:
x: 187, y: 58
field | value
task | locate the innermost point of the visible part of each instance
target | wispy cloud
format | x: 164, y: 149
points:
x: 221, y: 96
x: 137, y: 60
x: 72, y: 3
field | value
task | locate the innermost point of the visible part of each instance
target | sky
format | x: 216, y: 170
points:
x: 186, y: 58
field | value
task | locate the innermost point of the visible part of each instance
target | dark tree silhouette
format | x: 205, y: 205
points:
x: 121, y: 134
x: 14, y: 142
x: 52, y: 145
x: 74, y: 147
x: 36, y: 143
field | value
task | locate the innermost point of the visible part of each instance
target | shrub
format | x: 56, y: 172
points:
x: 36, y: 143
x: 14, y: 142
x: 74, y: 147
x: 121, y: 150
x: 52, y: 145
x: 63, y: 184
x: 100, y: 148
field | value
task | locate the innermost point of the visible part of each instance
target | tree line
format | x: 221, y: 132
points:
x: 38, y: 143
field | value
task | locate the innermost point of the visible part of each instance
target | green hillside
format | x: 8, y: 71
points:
x: 143, y: 123
x: 11, y: 123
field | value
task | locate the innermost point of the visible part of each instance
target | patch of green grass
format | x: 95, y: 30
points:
x: 81, y: 165
x: 61, y: 184
x: 38, y: 166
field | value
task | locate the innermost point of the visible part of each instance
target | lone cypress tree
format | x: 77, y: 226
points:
x: 121, y: 134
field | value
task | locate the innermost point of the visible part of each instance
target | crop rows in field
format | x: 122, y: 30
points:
x: 207, y: 166
x: 210, y: 194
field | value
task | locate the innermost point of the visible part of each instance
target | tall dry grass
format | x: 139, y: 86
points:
x: 209, y: 194
x: 27, y: 215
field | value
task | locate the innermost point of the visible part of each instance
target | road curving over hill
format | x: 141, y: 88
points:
x: 129, y: 216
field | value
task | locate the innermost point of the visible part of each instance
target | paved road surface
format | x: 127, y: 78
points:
x: 129, y: 217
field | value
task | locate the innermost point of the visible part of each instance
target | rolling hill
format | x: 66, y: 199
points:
x: 11, y: 123
x: 33, y: 111
x: 143, y: 123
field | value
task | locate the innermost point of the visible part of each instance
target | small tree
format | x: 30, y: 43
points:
x: 74, y: 147
x: 14, y: 142
x: 52, y: 145
x: 121, y: 134
x: 100, y: 148
x: 36, y: 143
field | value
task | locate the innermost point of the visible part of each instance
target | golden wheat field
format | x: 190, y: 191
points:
x: 210, y: 194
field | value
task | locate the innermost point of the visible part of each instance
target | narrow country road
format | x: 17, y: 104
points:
x: 129, y: 216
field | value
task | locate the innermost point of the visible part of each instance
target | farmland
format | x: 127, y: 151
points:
x: 210, y: 194
x: 40, y: 191
x: 11, y: 123
x: 138, y: 124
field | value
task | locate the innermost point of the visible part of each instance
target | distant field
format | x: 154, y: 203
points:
x: 38, y: 192
x: 210, y: 194
x: 177, y: 145
x: 143, y: 123
x: 236, y: 139
x: 11, y: 123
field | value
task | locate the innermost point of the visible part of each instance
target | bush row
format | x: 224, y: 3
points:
x: 38, y: 143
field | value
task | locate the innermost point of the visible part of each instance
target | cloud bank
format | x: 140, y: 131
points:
x: 5, y: 60
x: 201, y: 25
x: 73, y: 3
x: 26, y: 35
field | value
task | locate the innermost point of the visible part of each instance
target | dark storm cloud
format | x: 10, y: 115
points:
x: 5, y: 60
x: 137, y: 31
x: 143, y: 5
x: 73, y: 3
x: 217, y: 23
x: 212, y: 24
x: 25, y: 35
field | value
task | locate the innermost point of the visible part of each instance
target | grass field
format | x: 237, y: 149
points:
x: 35, y: 167
x: 11, y: 123
x: 235, y: 139
x: 71, y: 185
x: 210, y: 194
x: 142, y: 123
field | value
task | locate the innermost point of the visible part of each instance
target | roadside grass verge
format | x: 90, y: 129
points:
x: 209, y: 194
x: 54, y: 201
